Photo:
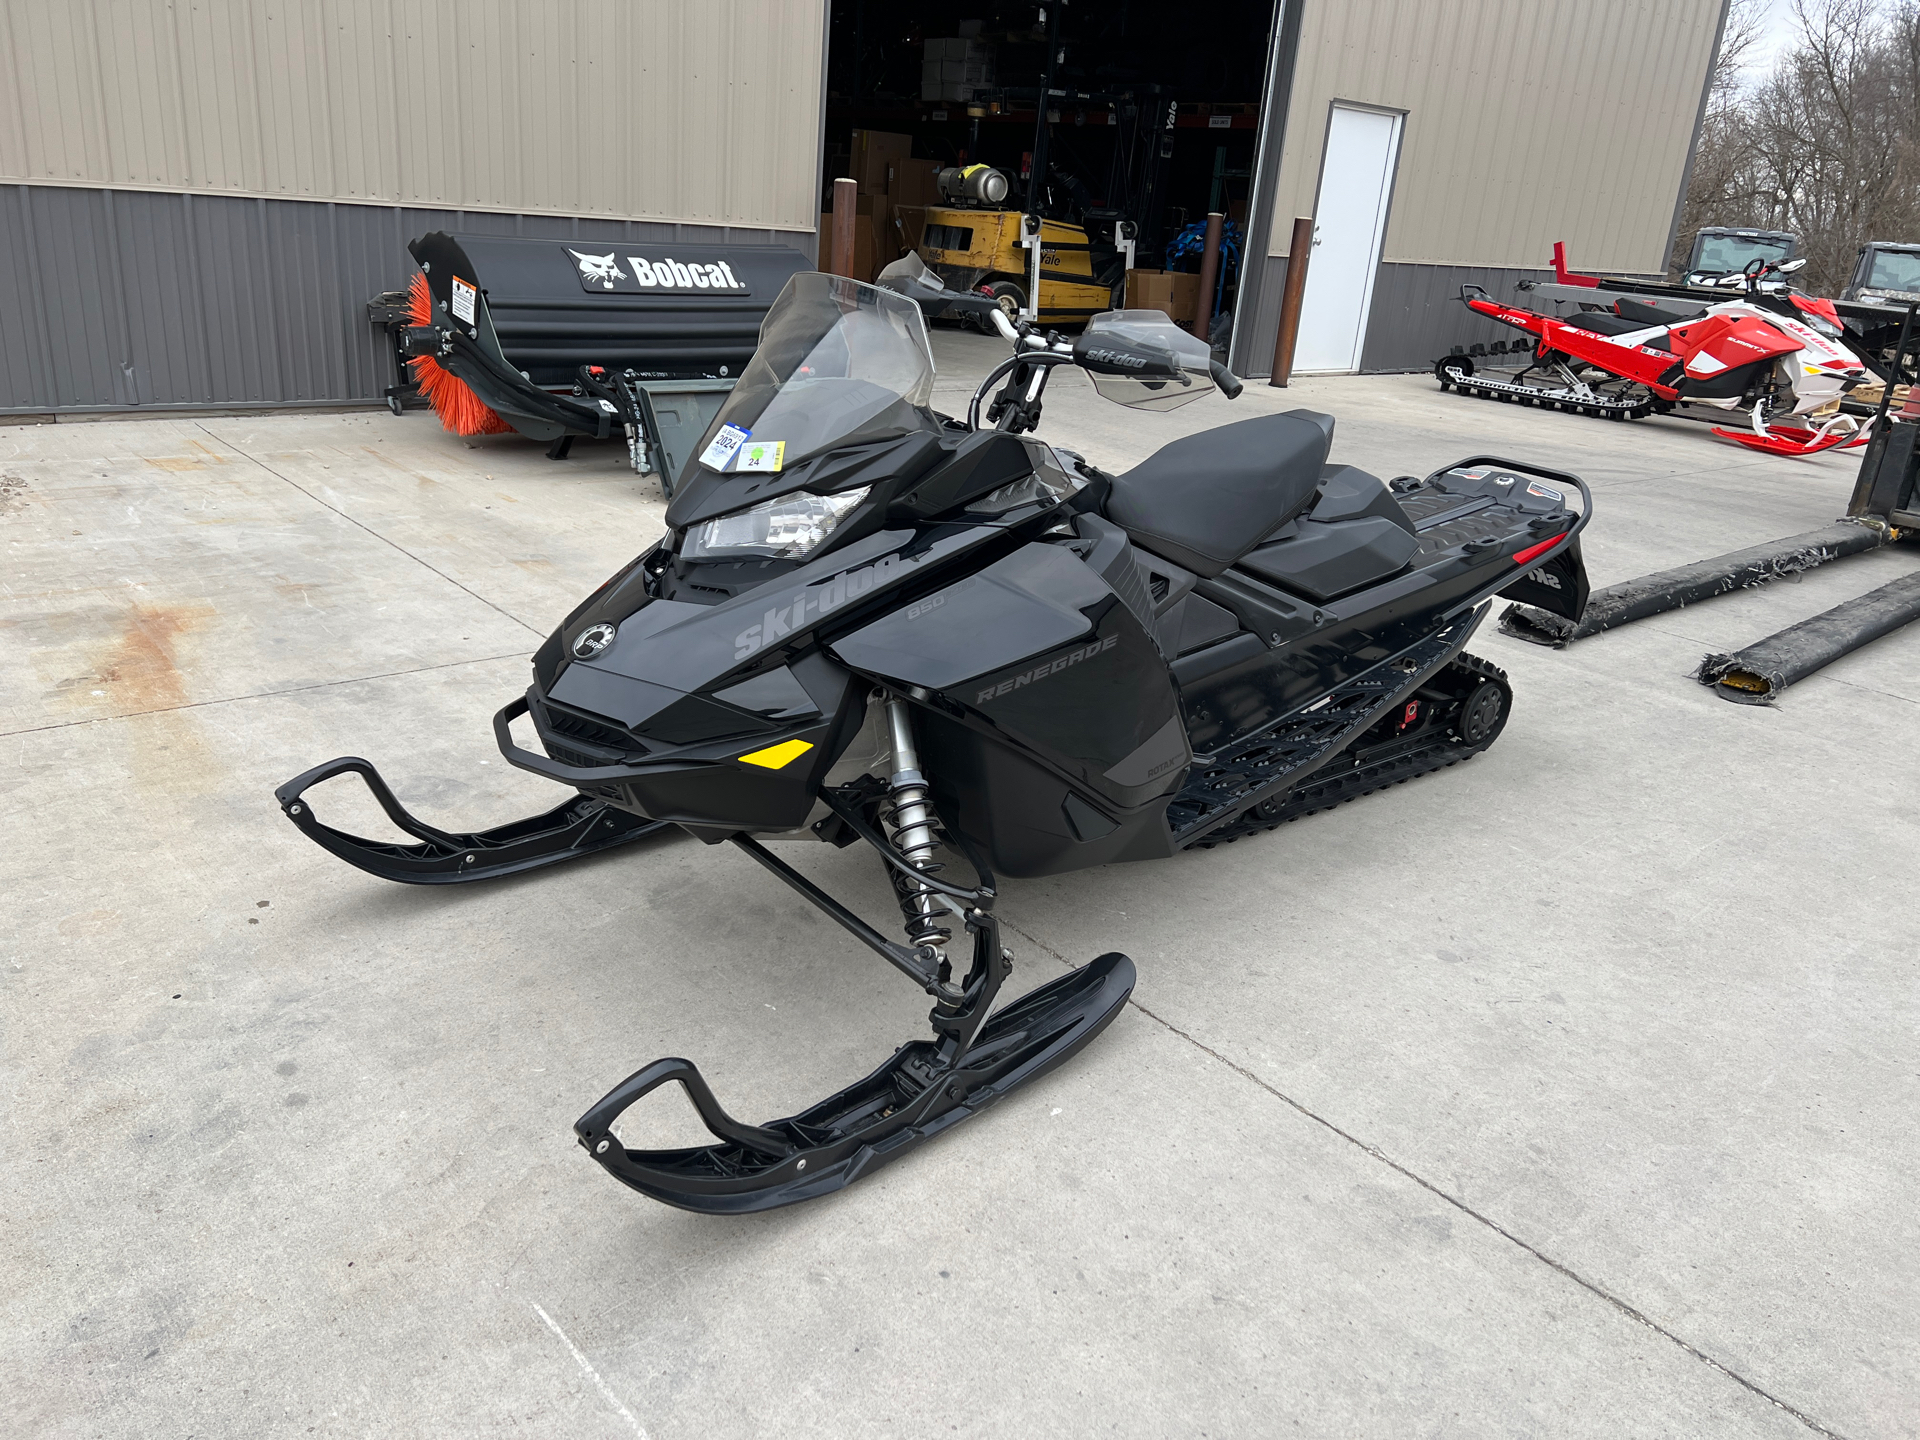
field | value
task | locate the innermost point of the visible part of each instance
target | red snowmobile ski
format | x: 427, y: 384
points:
x: 1635, y: 359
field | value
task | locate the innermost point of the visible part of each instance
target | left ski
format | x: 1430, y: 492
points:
x: 926, y: 1087
x: 580, y: 826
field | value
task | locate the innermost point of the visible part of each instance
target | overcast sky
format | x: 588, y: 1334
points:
x: 1778, y: 34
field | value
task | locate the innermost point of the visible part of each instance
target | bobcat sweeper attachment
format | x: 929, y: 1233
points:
x: 558, y: 339
x: 1884, y: 509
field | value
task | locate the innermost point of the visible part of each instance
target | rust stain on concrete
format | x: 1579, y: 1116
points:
x: 141, y: 667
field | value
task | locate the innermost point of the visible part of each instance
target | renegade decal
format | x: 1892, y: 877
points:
x: 1047, y: 668
x: 781, y: 621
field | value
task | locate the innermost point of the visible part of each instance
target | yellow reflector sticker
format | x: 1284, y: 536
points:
x: 775, y: 756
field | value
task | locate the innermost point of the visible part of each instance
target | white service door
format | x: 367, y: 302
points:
x: 1349, y: 221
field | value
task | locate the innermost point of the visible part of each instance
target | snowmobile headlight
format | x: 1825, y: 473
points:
x: 1820, y: 325
x: 785, y: 528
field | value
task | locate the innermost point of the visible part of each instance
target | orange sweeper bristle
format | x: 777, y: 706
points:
x: 459, y: 409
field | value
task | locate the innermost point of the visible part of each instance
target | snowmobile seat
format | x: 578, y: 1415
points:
x: 1205, y: 500
x: 1646, y: 314
x: 1603, y: 322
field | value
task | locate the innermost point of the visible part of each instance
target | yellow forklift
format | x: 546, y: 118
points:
x: 1054, y: 282
x: 1052, y: 271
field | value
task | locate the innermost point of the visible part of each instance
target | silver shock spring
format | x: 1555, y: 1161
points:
x: 916, y: 834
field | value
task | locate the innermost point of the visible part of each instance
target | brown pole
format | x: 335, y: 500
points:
x: 1209, y: 272
x: 846, y: 206
x: 1298, y: 252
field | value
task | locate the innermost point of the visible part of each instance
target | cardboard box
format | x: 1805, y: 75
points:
x: 958, y: 49
x: 1171, y: 292
x: 874, y: 151
x: 911, y: 183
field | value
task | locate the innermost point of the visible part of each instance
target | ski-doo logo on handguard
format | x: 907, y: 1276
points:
x: 1118, y: 357
x: 1047, y: 668
x: 603, y: 268
x: 592, y: 640
x: 781, y: 621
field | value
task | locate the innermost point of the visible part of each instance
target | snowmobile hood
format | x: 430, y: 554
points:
x: 634, y: 665
x: 706, y: 494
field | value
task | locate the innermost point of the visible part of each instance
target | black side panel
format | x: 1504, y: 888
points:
x: 1024, y: 816
x: 1723, y: 386
x: 1036, y: 654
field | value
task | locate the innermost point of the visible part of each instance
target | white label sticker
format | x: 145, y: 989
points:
x: 765, y: 456
x: 463, y: 294
x: 730, y: 439
x: 1219, y: 122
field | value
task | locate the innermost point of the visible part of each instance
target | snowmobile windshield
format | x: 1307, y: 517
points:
x: 1724, y: 254
x: 1896, y: 270
x: 840, y: 362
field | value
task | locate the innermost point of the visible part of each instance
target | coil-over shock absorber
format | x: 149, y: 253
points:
x: 909, y: 814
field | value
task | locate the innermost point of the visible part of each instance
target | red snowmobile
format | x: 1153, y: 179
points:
x: 1636, y: 358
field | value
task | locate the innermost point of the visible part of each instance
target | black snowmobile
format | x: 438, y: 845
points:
x: 873, y: 624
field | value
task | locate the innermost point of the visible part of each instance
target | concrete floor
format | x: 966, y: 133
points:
x: 1569, y: 1092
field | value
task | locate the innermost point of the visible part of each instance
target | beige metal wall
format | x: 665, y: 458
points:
x: 1528, y: 121
x: 702, y: 111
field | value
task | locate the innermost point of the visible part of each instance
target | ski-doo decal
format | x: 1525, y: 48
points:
x: 814, y: 601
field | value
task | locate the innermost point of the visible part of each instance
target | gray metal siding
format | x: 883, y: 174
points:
x: 691, y: 111
x: 1261, y: 326
x: 1417, y: 316
x: 118, y: 299
x: 1528, y: 121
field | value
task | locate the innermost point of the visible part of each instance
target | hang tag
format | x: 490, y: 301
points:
x: 721, y: 450
x: 766, y: 455
x: 463, y: 295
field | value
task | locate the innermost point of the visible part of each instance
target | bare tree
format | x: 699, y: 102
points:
x: 1826, y: 146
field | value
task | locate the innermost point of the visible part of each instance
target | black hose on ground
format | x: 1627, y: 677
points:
x: 1671, y: 589
x: 1755, y: 675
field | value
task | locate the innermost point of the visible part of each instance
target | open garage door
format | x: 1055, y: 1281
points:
x: 1119, y: 126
